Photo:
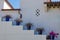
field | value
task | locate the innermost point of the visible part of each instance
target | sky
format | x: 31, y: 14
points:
x: 15, y: 3
x: 55, y: 0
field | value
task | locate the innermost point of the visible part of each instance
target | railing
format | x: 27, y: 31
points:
x: 52, y: 5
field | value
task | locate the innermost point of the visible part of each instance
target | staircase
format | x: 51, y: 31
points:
x: 10, y: 32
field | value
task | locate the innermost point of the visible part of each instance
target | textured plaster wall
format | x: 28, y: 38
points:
x: 13, y: 14
x: 50, y: 20
x: 10, y: 32
x: 1, y: 4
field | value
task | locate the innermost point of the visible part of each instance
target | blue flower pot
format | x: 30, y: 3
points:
x: 7, y: 18
x: 17, y: 23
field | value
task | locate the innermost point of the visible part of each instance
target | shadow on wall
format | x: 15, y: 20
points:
x: 39, y: 31
x: 17, y: 22
x: 7, y: 18
x: 28, y: 26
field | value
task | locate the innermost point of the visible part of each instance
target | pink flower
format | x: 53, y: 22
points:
x: 54, y: 34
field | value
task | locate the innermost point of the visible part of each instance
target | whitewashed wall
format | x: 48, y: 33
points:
x: 10, y: 32
x: 49, y: 20
x: 13, y: 14
x: 1, y: 4
x: 6, y: 6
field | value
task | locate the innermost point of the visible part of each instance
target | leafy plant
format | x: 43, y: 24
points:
x: 29, y: 25
x: 18, y: 21
x: 40, y: 30
x: 7, y: 17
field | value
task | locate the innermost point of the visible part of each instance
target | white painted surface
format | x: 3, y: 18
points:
x: 1, y: 4
x: 39, y: 37
x: 50, y: 20
x: 6, y: 6
x: 4, y: 26
x: 9, y: 32
x: 13, y: 14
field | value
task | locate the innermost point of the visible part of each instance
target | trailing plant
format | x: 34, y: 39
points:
x: 29, y: 25
x: 40, y: 30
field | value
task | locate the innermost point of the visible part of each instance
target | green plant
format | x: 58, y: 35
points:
x: 7, y: 17
x: 29, y: 25
x: 40, y: 30
x: 18, y: 21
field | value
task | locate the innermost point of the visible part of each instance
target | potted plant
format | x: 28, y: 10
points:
x: 18, y: 21
x: 7, y: 17
x: 29, y: 25
x: 53, y: 34
x: 48, y: 37
x: 40, y: 30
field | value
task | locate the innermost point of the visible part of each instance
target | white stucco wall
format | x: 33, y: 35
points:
x: 6, y: 6
x: 13, y: 14
x: 49, y: 20
x: 10, y: 32
x: 1, y: 4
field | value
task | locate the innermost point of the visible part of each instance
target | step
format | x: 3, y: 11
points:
x: 2, y: 37
x: 23, y: 35
x: 9, y: 23
x: 39, y: 37
x: 14, y: 29
x: 19, y: 37
x: 17, y: 31
x: 4, y: 26
x: 0, y: 19
x: 28, y: 32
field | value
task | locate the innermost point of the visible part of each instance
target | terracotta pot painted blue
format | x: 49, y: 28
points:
x: 29, y: 27
x: 7, y: 18
x: 17, y: 23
